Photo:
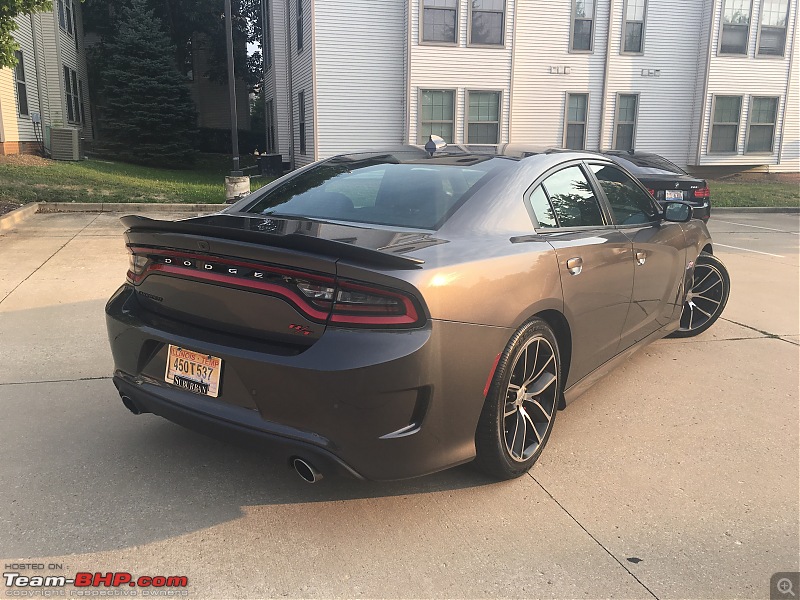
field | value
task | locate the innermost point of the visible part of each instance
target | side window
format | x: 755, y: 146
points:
x: 572, y: 198
x: 629, y: 204
x: 542, y: 209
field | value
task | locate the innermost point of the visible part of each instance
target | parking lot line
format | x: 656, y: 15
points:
x: 749, y: 250
x: 757, y: 227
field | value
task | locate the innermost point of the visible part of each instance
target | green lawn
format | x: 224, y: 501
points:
x: 36, y: 180
x: 30, y: 179
x: 759, y: 192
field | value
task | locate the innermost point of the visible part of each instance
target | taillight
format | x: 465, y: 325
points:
x: 652, y: 192
x: 318, y: 296
x: 137, y: 265
x: 702, y: 193
x: 365, y: 305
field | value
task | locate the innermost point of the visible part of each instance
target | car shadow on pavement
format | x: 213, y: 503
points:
x: 100, y: 479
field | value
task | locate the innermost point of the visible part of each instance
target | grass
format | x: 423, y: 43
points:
x: 29, y: 179
x: 755, y: 192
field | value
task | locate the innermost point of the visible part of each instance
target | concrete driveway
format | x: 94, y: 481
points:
x: 674, y: 477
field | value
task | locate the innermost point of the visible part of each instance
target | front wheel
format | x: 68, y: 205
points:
x: 706, y: 298
x: 521, y: 406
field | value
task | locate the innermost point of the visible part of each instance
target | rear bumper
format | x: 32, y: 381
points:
x: 378, y: 405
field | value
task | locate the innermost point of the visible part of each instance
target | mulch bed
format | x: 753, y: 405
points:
x: 7, y: 207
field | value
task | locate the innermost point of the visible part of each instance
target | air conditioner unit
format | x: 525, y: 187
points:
x: 66, y: 143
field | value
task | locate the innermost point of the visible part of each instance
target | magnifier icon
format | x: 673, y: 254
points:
x: 784, y: 586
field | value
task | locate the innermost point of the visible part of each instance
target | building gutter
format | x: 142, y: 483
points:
x: 314, y: 97
x: 606, y: 70
x: 703, y: 116
x: 788, y: 86
x: 511, y: 78
x: 407, y: 133
x: 287, y: 19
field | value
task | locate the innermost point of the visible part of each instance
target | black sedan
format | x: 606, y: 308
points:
x: 665, y: 180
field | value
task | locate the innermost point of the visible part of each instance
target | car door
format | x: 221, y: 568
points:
x: 595, y: 264
x: 658, y: 251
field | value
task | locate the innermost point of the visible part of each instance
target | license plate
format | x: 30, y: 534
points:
x: 193, y: 371
x: 674, y: 194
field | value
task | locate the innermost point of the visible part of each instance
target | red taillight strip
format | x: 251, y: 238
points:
x: 411, y: 316
x: 276, y: 290
x: 234, y: 263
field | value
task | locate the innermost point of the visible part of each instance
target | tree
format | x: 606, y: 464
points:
x: 194, y: 21
x: 148, y: 113
x: 9, y: 11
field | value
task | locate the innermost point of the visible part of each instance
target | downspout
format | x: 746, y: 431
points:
x: 265, y: 36
x: 788, y: 86
x: 705, y: 83
x: 314, y: 97
x: 606, y: 69
x: 38, y: 81
x: 511, y: 79
x: 287, y: 22
x: 407, y: 134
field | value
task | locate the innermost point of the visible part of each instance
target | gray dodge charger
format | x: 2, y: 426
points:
x: 394, y: 313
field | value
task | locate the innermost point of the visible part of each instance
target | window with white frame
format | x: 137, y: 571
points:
x: 68, y: 16
x: 72, y: 95
x: 436, y: 115
x: 735, y: 26
x: 301, y: 109
x: 582, y: 36
x: 633, y: 26
x: 439, y: 21
x: 22, y: 86
x: 487, y: 22
x: 575, y: 125
x: 483, y: 118
x: 300, y: 27
x: 772, y: 27
x: 62, y: 22
x: 725, y: 124
x: 625, y: 128
x: 761, y: 124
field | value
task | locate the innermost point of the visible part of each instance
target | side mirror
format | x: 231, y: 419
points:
x: 677, y: 212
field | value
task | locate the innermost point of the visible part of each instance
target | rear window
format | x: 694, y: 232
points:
x: 649, y: 165
x: 382, y: 191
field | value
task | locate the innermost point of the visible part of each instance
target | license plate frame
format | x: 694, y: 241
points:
x: 194, y: 371
x: 673, y: 195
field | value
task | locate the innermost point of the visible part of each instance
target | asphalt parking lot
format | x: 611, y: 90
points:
x: 677, y: 476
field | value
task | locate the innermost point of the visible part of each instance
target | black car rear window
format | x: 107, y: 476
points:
x: 651, y: 164
x: 384, y: 190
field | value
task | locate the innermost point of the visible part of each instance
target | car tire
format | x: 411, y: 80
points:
x: 521, y: 406
x: 706, y: 298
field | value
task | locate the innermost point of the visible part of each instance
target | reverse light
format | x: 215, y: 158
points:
x: 702, y: 193
x: 137, y: 265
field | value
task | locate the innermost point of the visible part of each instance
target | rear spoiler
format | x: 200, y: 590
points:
x: 292, y: 241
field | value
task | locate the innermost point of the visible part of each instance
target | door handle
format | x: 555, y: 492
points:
x: 575, y: 266
x: 641, y: 257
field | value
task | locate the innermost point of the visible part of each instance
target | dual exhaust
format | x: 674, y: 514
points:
x: 308, y: 472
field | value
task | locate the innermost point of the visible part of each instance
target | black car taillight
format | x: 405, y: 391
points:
x: 137, y: 265
x: 702, y: 193
x: 364, y: 305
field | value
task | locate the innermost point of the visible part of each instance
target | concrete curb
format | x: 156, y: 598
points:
x: 127, y: 207
x: 10, y: 220
x: 754, y: 209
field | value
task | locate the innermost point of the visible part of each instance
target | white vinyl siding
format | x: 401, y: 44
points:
x: 303, y: 78
x: 17, y: 126
x: 276, y: 80
x: 360, y: 74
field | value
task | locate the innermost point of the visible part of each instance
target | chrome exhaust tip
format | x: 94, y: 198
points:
x: 130, y: 404
x: 306, y: 470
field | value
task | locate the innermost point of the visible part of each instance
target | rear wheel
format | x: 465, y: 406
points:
x: 706, y: 298
x: 521, y: 406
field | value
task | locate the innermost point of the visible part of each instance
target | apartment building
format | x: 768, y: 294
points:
x: 48, y: 88
x: 706, y: 83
